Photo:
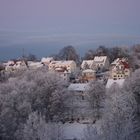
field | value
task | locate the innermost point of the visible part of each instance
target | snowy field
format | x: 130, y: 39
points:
x: 77, y: 130
x: 74, y: 130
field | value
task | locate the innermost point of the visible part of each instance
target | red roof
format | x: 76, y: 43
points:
x: 126, y: 65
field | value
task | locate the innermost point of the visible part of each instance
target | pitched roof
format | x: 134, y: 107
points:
x: 126, y: 65
x: 89, y: 71
x: 100, y: 59
x: 121, y: 61
x: 88, y: 62
x: 62, y: 62
x: 78, y: 87
x: 48, y: 59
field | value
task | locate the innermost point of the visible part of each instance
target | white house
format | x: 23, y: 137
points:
x: 101, y: 62
x: 88, y: 75
x: 87, y: 64
x: 34, y: 65
x: 120, y: 69
x: 63, y: 73
x: 69, y: 66
x: 47, y: 60
x: 20, y: 65
x: 15, y: 65
x: 78, y: 101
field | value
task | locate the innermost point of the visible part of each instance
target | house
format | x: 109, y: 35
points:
x: 87, y: 64
x: 120, y: 69
x: 88, y: 75
x: 34, y: 65
x: 78, y: 101
x: 47, y: 61
x: 101, y: 62
x: 63, y: 68
x: 20, y: 65
x: 70, y: 65
x: 63, y: 73
x: 15, y: 65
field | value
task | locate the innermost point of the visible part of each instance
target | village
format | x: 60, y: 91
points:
x: 78, y: 78
x: 98, y: 69
x: 69, y: 70
x: 79, y: 89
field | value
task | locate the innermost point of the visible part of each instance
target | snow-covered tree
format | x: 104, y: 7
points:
x: 118, y: 120
x: 37, y: 90
x: 36, y: 128
x: 96, y: 95
x: 118, y: 115
x: 132, y: 84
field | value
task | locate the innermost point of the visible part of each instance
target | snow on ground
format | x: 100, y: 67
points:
x: 77, y: 130
x: 74, y: 130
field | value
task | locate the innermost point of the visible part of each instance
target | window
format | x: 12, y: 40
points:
x: 83, y: 97
x: 126, y: 70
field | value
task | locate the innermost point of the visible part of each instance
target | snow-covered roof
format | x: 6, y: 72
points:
x: 46, y: 60
x: 89, y: 62
x: 116, y: 61
x: 110, y: 82
x: 10, y: 62
x: 89, y: 71
x: 62, y: 62
x: 34, y: 64
x: 59, y: 69
x: 100, y: 59
x: 78, y: 87
x: 74, y: 130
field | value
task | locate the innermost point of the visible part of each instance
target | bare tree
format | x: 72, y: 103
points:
x: 68, y: 53
x: 89, y: 55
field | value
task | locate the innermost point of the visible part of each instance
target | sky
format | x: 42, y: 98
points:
x: 44, y: 26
